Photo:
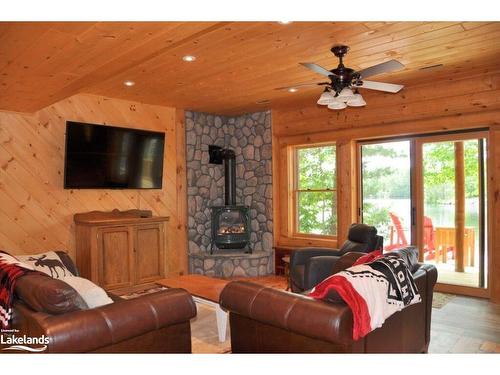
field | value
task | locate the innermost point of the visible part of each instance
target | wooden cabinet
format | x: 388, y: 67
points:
x: 120, y: 249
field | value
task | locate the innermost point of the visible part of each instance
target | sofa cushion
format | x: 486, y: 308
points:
x: 49, y: 263
x: 45, y: 294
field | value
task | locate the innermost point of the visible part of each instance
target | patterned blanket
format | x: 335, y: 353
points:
x: 373, y: 291
x: 10, y: 270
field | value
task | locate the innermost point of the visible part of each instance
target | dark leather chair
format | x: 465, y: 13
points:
x: 310, y: 266
x: 266, y: 320
x: 154, y: 323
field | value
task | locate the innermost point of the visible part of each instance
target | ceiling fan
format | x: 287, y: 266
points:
x: 342, y: 90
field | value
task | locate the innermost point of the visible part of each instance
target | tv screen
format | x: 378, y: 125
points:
x: 100, y: 156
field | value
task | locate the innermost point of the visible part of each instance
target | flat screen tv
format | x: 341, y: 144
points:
x: 109, y: 157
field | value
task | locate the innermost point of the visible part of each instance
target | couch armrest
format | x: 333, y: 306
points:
x: 300, y: 256
x: 317, y: 269
x: 331, y: 322
x: 89, y: 330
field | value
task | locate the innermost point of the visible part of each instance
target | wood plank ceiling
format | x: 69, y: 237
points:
x: 237, y: 63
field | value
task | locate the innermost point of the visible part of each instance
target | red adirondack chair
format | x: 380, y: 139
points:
x: 429, y: 234
x: 400, y: 240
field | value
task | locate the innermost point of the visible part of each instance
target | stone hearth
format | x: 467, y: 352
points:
x: 231, y: 264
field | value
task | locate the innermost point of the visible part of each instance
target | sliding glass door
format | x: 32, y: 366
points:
x: 452, y: 187
x: 430, y: 191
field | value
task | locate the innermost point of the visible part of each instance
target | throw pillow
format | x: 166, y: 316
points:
x: 91, y: 293
x: 49, y: 263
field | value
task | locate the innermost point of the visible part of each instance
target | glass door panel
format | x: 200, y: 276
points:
x: 453, y: 220
x: 386, y: 191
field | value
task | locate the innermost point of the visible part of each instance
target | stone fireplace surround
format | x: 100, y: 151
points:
x: 250, y: 137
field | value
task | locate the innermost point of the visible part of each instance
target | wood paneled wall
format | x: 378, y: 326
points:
x: 464, y: 103
x: 36, y: 212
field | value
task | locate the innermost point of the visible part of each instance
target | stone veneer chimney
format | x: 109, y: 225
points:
x: 250, y: 137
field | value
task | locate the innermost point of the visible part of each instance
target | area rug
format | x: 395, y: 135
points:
x: 439, y: 300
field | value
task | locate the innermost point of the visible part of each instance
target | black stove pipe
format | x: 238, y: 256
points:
x: 230, y: 177
x: 217, y: 156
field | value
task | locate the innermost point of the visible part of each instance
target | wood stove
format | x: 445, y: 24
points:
x: 231, y: 222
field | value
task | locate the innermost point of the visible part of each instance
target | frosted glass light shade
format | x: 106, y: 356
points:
x: 337, y: 104
x: 345, y: 95
x: 326, y: 98
x: 356, y: 101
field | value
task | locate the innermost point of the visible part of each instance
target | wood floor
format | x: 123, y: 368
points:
x: 466, y: 325
x: 462, y: 325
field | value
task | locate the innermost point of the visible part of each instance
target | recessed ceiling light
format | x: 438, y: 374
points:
x: 292, y: 89
x: 284, y: 22
x: 129, y: 83
x: 189, y: 58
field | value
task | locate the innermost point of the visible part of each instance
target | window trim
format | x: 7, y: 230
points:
x: 294, y: 191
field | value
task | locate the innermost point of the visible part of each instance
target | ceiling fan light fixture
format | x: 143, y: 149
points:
x: 346, y: 94
x: 337, y: 104
x: 356, y: 101
x: 326, y: 98
x: 189, y: 58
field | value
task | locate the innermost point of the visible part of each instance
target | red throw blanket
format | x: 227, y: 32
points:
x: 373, y: 291
x: 10, y: 270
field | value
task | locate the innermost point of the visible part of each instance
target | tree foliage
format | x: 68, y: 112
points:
x: 439, y: 171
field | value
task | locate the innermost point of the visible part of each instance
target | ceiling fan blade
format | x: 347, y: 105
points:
x: 380, y: 86
x: 386, y: 67
x: 302, y: 85
x: 317, y: 68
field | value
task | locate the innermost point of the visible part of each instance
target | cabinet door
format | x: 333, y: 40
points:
x: 115, y: 258
x: 149, y: 253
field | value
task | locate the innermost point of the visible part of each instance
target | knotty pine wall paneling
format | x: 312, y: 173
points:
x: 36, y: 212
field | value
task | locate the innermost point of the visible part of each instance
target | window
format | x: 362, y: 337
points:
x: 315, y: 191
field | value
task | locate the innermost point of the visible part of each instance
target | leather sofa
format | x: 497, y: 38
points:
x: 309, y: 266
x: 154, y: 323
x: 266, y: 320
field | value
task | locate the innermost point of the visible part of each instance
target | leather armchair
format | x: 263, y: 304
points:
x: 266, y: 320
x: 310, y: 266
x: 154, y: 323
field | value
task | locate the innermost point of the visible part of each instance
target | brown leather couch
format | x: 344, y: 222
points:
x: 265, y: 320
x: 154, y: 323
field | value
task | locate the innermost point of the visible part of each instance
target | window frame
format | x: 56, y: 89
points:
x: 295, y: 191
